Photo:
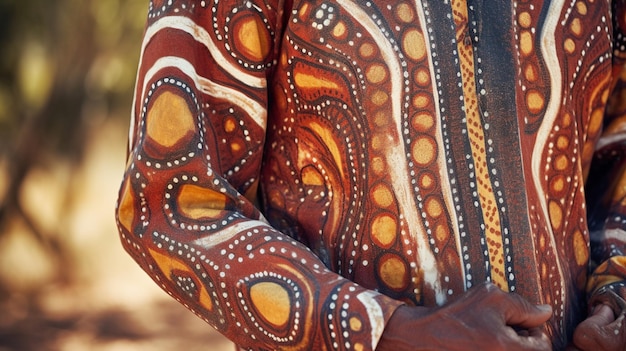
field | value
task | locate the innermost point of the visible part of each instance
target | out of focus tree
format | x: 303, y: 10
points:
x: 67, y: 70
x: 65, y: 67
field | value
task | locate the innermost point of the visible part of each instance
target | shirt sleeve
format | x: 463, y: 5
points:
x: 186, y: 208
x: 606, y: 184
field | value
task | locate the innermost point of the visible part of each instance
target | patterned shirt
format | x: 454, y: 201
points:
x: 298, y: 169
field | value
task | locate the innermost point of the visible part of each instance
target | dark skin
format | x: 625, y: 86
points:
x: 605, y: 328
x: 484, y: 318
x: 505, y: 322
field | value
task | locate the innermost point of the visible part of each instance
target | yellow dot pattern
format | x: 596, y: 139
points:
x: 491, y: 216
x: 340, y: 113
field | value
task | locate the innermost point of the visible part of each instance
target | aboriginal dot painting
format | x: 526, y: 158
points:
x: 298, y: 169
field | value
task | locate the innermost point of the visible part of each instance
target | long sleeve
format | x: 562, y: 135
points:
x: 186, y: 210
x: 403, y: 152
x: 606, y: 185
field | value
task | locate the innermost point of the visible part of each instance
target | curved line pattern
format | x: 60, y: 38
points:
x: 396, y: 157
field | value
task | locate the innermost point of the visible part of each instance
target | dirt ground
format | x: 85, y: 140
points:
x: 92, y: 296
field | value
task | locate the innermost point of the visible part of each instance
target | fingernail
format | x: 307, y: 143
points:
x: 545, y: 308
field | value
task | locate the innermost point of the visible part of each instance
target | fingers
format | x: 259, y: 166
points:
x: 601, y: 331
x: 536, y: 339
x: 515, y: 310
x: 610, y: 298
x: 602, y: 315
x: 521, y: 313
x: 521, y: 320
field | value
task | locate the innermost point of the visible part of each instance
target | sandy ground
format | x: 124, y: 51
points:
x: 105, y: 302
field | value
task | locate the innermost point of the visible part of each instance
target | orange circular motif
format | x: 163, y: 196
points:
x: 383, y: 232
x: 424, y: 150
x: 251, y: 38
x: 393, y: 272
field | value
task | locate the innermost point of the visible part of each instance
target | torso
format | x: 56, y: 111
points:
x: 420, y: 148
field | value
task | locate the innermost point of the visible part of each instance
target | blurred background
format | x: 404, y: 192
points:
x: 67, y: 69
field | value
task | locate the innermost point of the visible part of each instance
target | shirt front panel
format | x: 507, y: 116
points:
x: 420, y: 148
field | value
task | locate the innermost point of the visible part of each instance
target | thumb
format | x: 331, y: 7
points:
x: 592, y: 333
x: 602, y: 315
x: 522, y: 313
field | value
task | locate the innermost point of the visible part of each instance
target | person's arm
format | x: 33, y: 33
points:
x: 605, y: 328
x: 606, y: 206
x: 186, y: 209
x: 606, y: 184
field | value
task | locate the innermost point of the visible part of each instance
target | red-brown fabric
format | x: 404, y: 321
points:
x: 299, y: 169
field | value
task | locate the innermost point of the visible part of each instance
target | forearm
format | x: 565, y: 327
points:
x: 260, y: 288
x: 208, y: 246
x: 606, y: 198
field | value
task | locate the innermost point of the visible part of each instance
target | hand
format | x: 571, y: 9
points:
x: 603, y: 330
x: 484, y: 318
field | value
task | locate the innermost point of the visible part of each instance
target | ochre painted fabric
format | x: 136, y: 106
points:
x: 298, y: 169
